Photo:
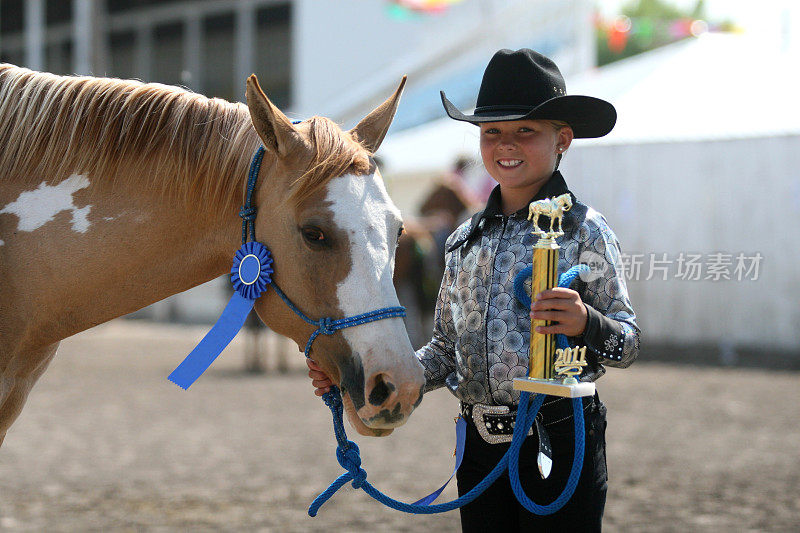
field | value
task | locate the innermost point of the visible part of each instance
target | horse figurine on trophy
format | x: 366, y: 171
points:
x: 549, y: 207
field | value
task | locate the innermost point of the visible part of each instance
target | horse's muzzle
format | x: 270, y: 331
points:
x: 384, y: 398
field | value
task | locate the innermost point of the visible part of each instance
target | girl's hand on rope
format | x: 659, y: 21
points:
x: 564, y: 308
x: 319, y: 379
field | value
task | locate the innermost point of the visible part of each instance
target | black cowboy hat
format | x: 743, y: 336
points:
x: 527, y: 85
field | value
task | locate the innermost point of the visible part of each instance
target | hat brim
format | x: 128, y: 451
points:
x: 587, y: 116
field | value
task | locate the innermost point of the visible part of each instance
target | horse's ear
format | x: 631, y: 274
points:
x: 372, y: 128
x: 274, y: 128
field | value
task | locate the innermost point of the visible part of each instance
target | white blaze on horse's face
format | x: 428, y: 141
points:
x: 393, y: 376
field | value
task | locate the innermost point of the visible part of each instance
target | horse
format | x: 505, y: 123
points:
x: 549, y: 207
x: 419, y: 264
x: 416, y: 270
x: 115, y: 194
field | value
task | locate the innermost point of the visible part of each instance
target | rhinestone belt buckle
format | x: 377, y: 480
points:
x: 495, y: 423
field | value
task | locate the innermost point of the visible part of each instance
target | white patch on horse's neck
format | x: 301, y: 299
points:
x: 38, y: 207
x: 362, y: 208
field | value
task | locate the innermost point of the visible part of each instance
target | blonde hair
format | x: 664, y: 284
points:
x: 57, y: 125
x: 110, y: 128
x: 558, y: 124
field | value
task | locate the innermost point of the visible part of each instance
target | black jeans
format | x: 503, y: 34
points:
x: 497, y: 509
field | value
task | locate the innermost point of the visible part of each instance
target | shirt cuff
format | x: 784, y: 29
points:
x: 603, y: 335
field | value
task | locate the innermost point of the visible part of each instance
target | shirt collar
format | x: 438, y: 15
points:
x: 554, y: 186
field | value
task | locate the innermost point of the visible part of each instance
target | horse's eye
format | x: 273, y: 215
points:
x: 400, y: 233
x: 313, y: 235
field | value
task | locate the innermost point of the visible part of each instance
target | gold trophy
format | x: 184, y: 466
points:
x: 551, y: 371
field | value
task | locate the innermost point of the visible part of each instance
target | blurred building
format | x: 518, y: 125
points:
x: 337, y: 58
x: 331, y: 57
x: 208, y: 46
x: 703, y: 163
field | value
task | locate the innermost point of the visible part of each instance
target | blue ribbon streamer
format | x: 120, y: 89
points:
x: 254, y: 261
x: 461, y: 438
x: 214, y: 342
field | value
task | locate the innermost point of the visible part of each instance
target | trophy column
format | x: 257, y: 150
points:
x: 543, y: 345
x: 551, y: 371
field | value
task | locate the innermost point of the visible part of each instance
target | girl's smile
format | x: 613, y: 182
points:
x: 521, y: 156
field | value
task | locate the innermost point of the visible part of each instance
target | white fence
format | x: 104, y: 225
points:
x: 739, y: 196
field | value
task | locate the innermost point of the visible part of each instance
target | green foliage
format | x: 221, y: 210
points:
x: 655, y: 9
x: 652, y: 23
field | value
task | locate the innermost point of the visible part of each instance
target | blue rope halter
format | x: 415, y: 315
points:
x: 328, y: 326
x: 251, y: 276
x: 325, y: 326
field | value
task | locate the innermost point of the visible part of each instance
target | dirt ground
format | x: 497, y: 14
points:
x: 106, y: 443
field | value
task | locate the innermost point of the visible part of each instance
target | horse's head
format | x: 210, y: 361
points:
x: 566, y: 201
x: 325, y: 214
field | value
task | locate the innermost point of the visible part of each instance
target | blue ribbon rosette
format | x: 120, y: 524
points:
x: 251, y: 275
x: 251, y: 272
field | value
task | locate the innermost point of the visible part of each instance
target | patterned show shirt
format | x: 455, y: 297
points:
x: 482, y: 332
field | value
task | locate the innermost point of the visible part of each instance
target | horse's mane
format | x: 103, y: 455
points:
x: 52, y: 126
x: 335, y: 154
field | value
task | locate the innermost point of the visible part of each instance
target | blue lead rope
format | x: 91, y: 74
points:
x: 349, y: 456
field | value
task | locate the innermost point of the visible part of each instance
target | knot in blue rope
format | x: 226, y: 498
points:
x: 248, y: 213
x: 349, y: 456
x: 326, y: 326
x: 333, y: 401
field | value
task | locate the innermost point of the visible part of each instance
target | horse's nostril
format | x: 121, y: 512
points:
x: 381, y: 391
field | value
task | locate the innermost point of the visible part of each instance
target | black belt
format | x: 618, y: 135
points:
x: 553, y: 411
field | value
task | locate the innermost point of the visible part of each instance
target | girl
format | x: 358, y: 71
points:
x: 481, y: 332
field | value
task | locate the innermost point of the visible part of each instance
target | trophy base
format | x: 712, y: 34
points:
x: 555, y: 387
